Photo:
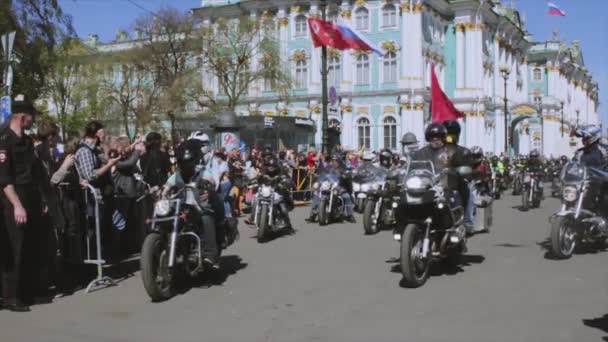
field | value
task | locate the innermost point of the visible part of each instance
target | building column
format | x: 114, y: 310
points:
x: 404, y: 59
x: 460, y: 57
x: 348, y: 126
x: 314, y: 86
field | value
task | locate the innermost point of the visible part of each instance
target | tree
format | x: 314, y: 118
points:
x: 40, y: 25
x: 238, y: 53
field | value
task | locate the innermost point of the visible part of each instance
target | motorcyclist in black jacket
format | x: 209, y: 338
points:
x: 592, y: 153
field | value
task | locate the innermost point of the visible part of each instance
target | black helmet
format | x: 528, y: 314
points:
x: 188, y: 155
x: 272, y: 164
x: 534, y: 154
x: 435, y: 130
x: 476, y: 154
x: 453, y: 129
x: 386, y: 158
x: 494, y: 159
x: 409, y: 138
x: 563, y: 159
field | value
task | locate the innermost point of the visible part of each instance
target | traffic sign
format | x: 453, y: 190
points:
x: 5, y: 107
x: 333, y: 95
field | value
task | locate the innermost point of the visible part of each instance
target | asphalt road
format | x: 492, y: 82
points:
x: 335, y: 284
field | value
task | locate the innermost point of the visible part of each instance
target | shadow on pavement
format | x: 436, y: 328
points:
x: 600, y: 323
x: 229, y: 265
x: 272, y: 236
x: 509, y: 245
x: 580, y: 249
x: 441, y: 268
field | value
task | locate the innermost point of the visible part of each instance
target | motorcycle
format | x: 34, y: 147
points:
x: 363, y: 179
x: 269, y: 215
x: 382, y: 202
x: 517, y: 175
x: 172, y: 250
x: 578, y: 221
x: 433, y: 226
x: 496, y: 184
x: 554, y: 175
x: 331, y: 205
x: 531, y: 190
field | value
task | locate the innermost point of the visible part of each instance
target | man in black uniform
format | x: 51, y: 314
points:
x: 592, y: 153
x: 20, y: 172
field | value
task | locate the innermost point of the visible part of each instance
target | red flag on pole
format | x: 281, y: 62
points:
x: 442, y: 108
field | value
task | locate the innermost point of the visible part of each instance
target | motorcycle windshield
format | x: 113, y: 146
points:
x: 367, y: 173
x: 573, y: 172
x: 421, y: 167
x: 329, y: 176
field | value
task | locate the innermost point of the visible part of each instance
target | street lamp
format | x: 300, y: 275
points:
x: 561, y: 127
x: 504, y: 72
x: 324, y: 99
x: 539, y: 105
x: 577, y: 113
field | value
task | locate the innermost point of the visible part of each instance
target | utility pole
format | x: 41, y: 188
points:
x: 324, y: 99
x: 7, y: 46
x: 504, y: 72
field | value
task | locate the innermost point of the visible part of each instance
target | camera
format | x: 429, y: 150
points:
x: 113, y: 154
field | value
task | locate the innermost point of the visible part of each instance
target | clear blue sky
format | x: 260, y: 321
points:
x: 586, y: 20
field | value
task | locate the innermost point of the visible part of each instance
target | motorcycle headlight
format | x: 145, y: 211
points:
x: 365, y: 188
x: 356, y: 187
x: 569, y: 194
x: 162, y: 208
x: 266, y: 191
x: 526, y: 179
x: 414, y: 183
x: 376, y: 186
x: 325, y: 186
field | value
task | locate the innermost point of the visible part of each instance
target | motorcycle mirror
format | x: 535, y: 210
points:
x: 464, y: 170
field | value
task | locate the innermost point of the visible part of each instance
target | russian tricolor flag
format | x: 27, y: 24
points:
x: 554, y: 10
x: 339, y: 36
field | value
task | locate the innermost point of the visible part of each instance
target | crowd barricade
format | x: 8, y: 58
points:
x: 83, y: 208
x: 303, y: 180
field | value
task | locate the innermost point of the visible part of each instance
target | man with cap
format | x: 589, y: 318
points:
x: 20, y: 172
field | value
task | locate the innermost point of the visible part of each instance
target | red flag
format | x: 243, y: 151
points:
x: 326, y: 33
x: 441, y: 107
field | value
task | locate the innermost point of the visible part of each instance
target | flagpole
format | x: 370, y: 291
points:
x: 324, y: 100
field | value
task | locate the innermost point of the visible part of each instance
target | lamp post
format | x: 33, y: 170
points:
x: 504, y: 72
x: 539, y: 105
x: 561, y: 127
x: 324, y: 99
x: 577, y: 113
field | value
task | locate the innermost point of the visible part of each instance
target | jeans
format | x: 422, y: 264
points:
x: 349, y: 209
x: 469, y: 207
x: 224, y: 193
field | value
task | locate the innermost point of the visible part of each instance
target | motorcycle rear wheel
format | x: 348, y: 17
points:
x: 525, y: 204
x: 157, y: 277
x: 414, y: 268
x: 563, y: 238
x: 368, y: 225
x: 323, y: 214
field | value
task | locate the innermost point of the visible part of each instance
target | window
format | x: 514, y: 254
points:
x: 333, y: 72
x: 301, y: 74
x: 389, y: 16
x: 390, y: 133
x: 363, y: 69
x: 301, y: 26
x: 390, y: 68
x: 363, y: 129
x: 361, y: 19
x: 537, y: 75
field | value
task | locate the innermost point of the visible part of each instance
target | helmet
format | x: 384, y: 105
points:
x: 435, y: 130
x: 534, y: 154
x: 368, y: 156
x: 494, y: 159
x: 453, y: 129
x: 409, y: 138
x: 200, y: 136
x: 272, y: 165
x: 476, y: 154
x: 188, y: 155
x: 386, y: 158
x: 590, y: 133
x: 563, y: 159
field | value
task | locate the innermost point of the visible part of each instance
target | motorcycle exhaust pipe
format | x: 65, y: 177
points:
x: 426, y: 241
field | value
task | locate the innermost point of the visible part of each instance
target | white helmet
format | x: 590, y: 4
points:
x: 200, y: 136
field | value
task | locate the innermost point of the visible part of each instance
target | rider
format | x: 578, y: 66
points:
x: 188, y: 156
x: 409, y: 143
x: 336, y: 166
x: 592, y: 153
x: 535, y: 166
x: 386, y: 159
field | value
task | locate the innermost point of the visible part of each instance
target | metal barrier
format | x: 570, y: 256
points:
x: 101, y: 280
x: 303, y: 183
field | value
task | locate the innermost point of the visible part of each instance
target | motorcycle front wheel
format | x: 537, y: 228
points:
x: 323, y: 214
x: 525, y: 204
x: 157, y: 277
x: 414, y: 267
x: 368, y: 225
x: 563, y: 237
x: 263, y: 224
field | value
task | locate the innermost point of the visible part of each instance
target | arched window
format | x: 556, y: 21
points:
x: 363, y: 130
x: 390, y: 67
x: 301, y: 26
x: 537, y: 74
x: 363, y: 69
x: 362, y: 19
x: 390, y: 132
x: 389, y: 16
x: 301, y: 74
x: 333, y: 72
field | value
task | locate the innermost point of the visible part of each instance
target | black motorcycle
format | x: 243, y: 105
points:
x: 532, y: 189
x: 554, y: 176
x: 579, y: 220
x: 433, y: 222
x: 331, y: 204
x: 271, y: 208
x: 363, y: 179
x: 382, y: 202
x: 173, y: 250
